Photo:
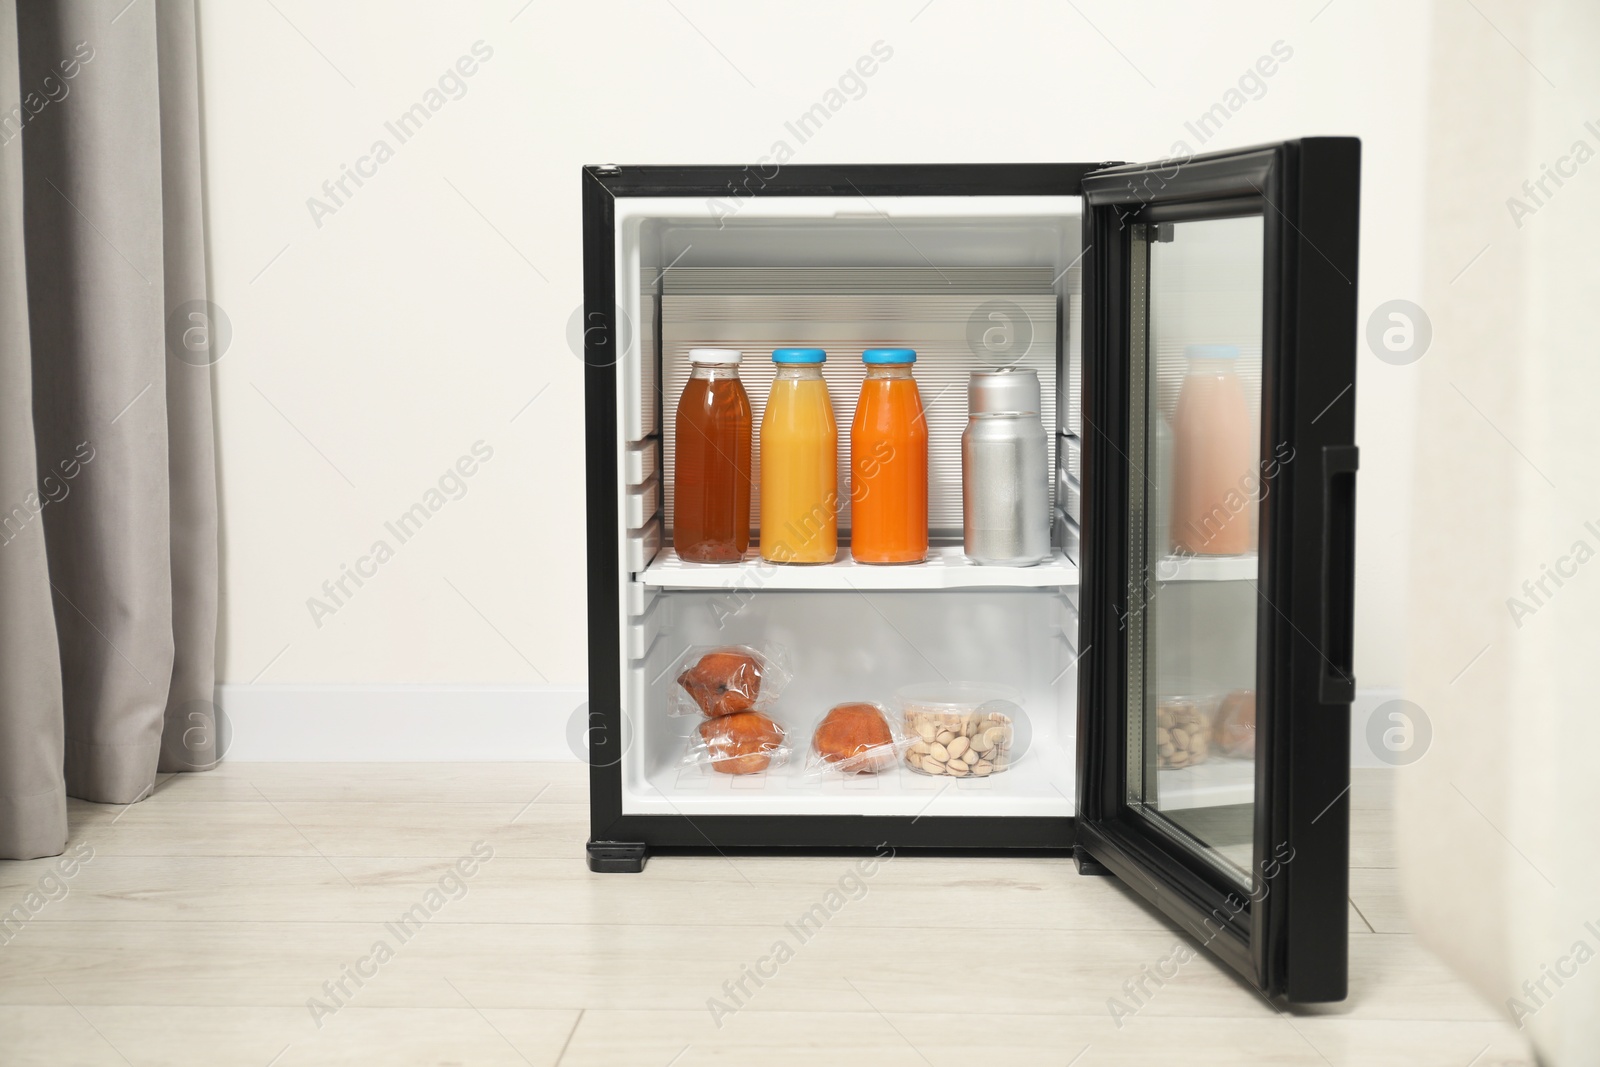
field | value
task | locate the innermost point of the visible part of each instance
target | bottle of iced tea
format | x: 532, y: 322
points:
x: 711, y: 509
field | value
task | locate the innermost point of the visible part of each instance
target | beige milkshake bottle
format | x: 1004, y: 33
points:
x: 1214, y: 483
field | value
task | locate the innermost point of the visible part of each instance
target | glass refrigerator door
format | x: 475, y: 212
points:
x: 1219, y: 339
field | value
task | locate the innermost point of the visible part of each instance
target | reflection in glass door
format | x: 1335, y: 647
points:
x: 1195, y: 488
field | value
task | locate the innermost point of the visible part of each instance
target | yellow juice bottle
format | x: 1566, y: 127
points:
x: 799, y: 463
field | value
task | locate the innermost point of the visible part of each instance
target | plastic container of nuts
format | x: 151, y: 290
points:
x: 960, y: 729
x: 1183, y: 730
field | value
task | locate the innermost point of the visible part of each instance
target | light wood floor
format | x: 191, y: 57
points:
x: 211, y: 913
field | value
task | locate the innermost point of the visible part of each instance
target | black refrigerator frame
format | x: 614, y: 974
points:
x: 620, y: 841
x: 1307, y: 192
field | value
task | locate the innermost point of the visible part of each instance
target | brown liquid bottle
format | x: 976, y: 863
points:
x: 711, y: 469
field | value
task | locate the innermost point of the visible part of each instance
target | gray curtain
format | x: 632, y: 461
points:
x: 108, y: 512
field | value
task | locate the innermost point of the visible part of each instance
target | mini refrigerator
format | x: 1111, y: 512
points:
x: 1184, y: 713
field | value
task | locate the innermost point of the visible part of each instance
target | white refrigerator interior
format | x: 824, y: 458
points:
x: 971, y: 283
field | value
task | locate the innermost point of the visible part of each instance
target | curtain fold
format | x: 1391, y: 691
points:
x: 107, y: 674
x: 33, y: 800
x: 190, y: 737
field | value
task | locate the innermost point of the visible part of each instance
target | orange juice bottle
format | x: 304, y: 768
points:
x: 799, y: 463
x: 889, y: 463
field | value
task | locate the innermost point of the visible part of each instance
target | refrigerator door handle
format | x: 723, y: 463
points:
x: 1339, y: 464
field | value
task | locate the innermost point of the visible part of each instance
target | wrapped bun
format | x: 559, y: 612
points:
x: 1234, y: 731
x: 744, y: 742
x: 714, y: 680
x: 855, y: 737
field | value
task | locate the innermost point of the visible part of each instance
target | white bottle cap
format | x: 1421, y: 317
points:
x: 715, y: 355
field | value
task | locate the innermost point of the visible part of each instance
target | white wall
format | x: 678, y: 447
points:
x: 372, y: 351
x: 1498, y: 805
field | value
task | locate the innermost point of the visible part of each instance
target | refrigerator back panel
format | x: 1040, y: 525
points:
x: 781, y: 308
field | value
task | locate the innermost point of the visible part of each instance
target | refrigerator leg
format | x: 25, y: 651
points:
x: 616, y: 857
x: 1087, y: 864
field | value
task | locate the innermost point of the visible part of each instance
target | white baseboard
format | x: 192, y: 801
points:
x: 466, y: 723
x: 398, y: 723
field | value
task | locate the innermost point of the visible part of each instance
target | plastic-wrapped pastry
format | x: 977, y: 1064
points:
x: 745, y: 742
x: 727, y: 679
x: 1234, y: 731
x: 854, y: 738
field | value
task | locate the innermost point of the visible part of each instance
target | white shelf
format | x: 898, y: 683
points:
x: 1206, y: 785
x: 945, y: 568
x: 1040, y: 784
x: 1207, y: 568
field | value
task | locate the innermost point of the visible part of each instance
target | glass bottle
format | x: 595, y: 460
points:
x: 889, y: 463
x: 711, y: 468
x: 1213, y: 457
x: 799, y: 463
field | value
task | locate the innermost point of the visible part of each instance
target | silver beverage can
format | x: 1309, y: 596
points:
x: 1005, y: 487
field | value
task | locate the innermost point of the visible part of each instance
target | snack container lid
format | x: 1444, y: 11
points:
x: 955, y: 697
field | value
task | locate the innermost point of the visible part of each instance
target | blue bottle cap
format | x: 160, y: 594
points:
x: 889, y: 355
x: 799, y: 355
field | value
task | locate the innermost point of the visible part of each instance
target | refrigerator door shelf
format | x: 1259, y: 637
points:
x: 1212, y: 784
x: 946, y: 568
x: 1242, y: 568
